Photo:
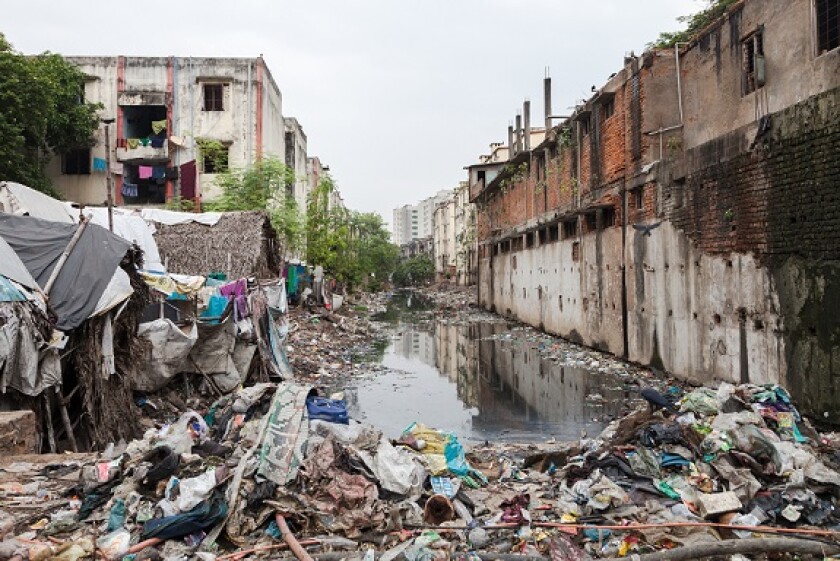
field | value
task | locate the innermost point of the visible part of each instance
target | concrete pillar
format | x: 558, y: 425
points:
x: 526, y: 111
x: 547, y: 103
x: 510, y: 141
x: 518, y: 134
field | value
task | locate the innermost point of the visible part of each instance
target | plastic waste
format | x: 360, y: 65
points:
x: 116, y: 518
x: 114, y: 544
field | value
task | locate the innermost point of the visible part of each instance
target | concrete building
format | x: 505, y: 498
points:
x: 165, y: 110
x: 686, y: 216
x: 297, y: 161
x: 416, y: 221
x: 455, y: 243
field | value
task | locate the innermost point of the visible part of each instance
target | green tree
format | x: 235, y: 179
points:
x: 42, y: 113
x: 262, y: 186
x: 354, y: 247
x: 414, y: 271
x: 694, y: 23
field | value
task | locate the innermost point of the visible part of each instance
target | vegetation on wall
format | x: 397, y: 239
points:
x: 42, y: 113
x: 694, y: 23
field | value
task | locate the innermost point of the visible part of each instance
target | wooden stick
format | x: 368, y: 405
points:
x: 48, y: 415
x: 290, y: 539
x: 749, y: 546
x: 83, y: 222
x: 632, y: 527
x: 65, y: 418
x: 244, y: 552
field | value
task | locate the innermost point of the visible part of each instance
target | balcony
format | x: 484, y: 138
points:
x: 136, y: 153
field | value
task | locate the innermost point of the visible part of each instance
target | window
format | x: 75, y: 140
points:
x: 554, y: 233
x: 541, y: 166
x: 76, y: 162
x: 214, y: 96
x: 639, y: 198
x: 591, y: 221
x: 753, y: 62
x: 529, y: 239
x: 608, y: 217
x: 217, y: 162
x: 569, y: 229
x: 828, y: 25
x: 607, y: 110
x: 584, y: 126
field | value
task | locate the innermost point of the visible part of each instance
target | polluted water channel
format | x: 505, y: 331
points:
x: 467, y: 377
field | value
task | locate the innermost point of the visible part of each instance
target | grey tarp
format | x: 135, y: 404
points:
x: 13, y: 268
x: 85, y: 275
x: 166, y: 354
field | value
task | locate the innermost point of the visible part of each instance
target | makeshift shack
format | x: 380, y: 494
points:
x: 237, y: 244
x: 88, y: 279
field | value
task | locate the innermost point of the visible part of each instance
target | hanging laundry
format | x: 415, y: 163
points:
x: 99, y: 164
x: 158, y: 126
x: 145, y: 141
x: 159, y: 172
x: 129, y: 189
x: 188, y: 180
x: 157, y: 141
x: 144, y: 172
x: 132, y: 142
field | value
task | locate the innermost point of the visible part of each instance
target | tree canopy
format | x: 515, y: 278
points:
x: 694, y: 23
x: 262, y: 186
x: 42, y: 113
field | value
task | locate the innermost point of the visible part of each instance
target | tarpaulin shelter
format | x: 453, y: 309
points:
x: 85, y: 274
x: 20, y: 200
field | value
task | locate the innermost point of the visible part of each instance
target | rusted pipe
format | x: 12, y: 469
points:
x: 291, y: 540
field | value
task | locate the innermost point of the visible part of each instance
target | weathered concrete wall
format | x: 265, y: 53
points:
x: 236, y: 126
x: 713, y: 92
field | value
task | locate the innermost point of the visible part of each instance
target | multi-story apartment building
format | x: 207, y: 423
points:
x: 178, y: 121
x: 297, y: 162
x: 416, y: 221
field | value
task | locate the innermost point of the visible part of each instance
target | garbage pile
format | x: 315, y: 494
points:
x: 272, y: 467
x: 449, y: 298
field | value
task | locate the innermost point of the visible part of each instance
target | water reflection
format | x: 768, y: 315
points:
x: 460, y: 377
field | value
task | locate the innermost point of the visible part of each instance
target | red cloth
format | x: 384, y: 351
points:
x: 188, y: 180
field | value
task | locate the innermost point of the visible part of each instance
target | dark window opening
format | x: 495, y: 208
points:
x: 141, y: 121
x: 607, y: 110
x: 554, y: 233
x: 639, y: 198
x: 214, y: 97
x: 541, y: 166
x: 542, y: 236
x: 217, y: 162
x: 591, y: 222
x: 516, y: 244
x: 608, y: 217
x: 576, y: 252
x: 76, y: 162
x: 529, y: 239
x: 828, y: 25
x: 584, y: 127
x: 753, y: 62
x: 570, y: 229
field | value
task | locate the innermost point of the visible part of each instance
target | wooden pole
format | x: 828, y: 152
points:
x: 65, y: 418
x: 48, y: 415
x: 108, y: 178
x: 83, y: 222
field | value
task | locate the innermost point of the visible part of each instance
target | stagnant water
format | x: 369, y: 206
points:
x: 461, y: 377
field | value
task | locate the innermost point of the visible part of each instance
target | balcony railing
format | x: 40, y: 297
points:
x: 134, y: 151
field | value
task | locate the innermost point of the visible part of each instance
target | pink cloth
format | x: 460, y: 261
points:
x: 145, y: 172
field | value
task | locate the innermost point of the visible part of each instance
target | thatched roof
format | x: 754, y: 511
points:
x: 241, y: 244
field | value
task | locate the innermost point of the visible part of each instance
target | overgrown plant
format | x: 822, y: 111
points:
x: 694, y: 24
x: 42, y: 113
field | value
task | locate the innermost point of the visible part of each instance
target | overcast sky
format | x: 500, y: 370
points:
x: 396, y: 96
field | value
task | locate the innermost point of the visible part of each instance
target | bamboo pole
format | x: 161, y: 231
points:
x: 83, y: 222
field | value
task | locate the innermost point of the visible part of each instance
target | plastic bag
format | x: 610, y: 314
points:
x: 115, y: 544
